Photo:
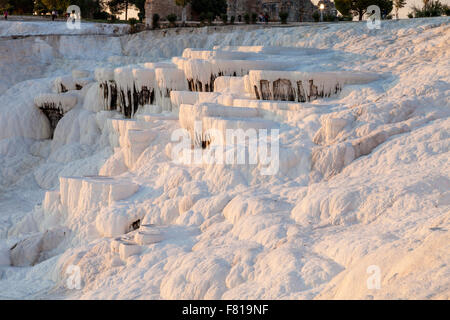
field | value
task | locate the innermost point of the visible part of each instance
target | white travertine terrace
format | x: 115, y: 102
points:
x: 302, y: 86
x: 229, y: 72
x: 68, y: 83
x: 202, y: 73
x: 214, y: 54
x: 169, y: 79
x: 192, y: 97
x: 81, y: 194
x: 191, y: 113
x: 147, y: 237
x: 104, y: 74
x: 64, y: 102
x: 229, y: 84
x: 267, y: 50
x: 362, y: 176
x: 55, y: 106
x: 80, y: 74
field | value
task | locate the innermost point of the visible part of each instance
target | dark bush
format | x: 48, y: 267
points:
x: 133, y: 25
x: 155, y: 22
x: 224, y: 18
x: 447, y: 10
x: 210, y: 18
x: 254, y: 18
x: 431, y: 9
x: 172, y: 18
x: 331, y: 17
x: 247, y: 18
x: 112, y: 19
x: 316, y: 16
x: 283, y: 17
x: 232, y: 19
x: 101, y: 15
x: 217, y: 7
x: 345, y: 18
x: 202, y: 18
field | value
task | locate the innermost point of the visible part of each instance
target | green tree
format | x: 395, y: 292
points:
x: 22, y: 6
x: 140, y: 5
x: 39, y: 7
x: 283, y: 17
x: 224, y: 18
x: 386, y: 6
x: 359, y: 7
x: 59, y: 5
x: 216, y: 7
x: 431, y: 8
x: 155, y: 21
x: 89, y: 8
x: 183, y: 3
x: 247, y: 18
x: 398, y: 4
x: 117, y: 7
x: 344, y: 7
x: 172, y: 18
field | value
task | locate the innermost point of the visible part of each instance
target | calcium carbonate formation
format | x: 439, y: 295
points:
x: 235, y: 88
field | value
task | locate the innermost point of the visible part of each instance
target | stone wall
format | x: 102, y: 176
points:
x: 299, y: 10
x: 238, y: 8
x: 163, y: 8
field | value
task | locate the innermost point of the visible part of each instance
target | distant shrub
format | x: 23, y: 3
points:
x: 112, y: 19
x: 431, y: 9
x: 101, y: 15
x: 329, y: 17
x: 316, y: 16
x: 224, y: 18
x: 283, y: 17
x: 254, y: 18
x: 247, y: 18
x: 202, y: 17
x: 345, y: 18
x: 232, y: 19
x: 447, y: 10
x: 155, y: 22
x: 172, y: 18
x: 210, y: 18
x: 133, y: 25
x: 410, y: 15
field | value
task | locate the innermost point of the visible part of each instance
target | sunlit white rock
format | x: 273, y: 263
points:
x: 128, y: 249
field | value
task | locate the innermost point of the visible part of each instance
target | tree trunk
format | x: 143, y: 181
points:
x: 360, y: 13
x: 126, y: 10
